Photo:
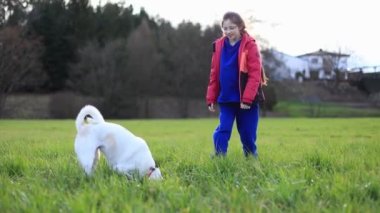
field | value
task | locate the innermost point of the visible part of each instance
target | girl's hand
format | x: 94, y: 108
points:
x: 244, y: 106
x: 211, y: 108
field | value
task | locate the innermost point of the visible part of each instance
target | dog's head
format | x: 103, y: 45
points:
x: 155, y: 174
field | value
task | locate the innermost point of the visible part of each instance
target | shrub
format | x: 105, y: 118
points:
x: 270, y: 98
x: 68, y: 104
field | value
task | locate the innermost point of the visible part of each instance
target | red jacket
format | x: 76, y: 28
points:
x: 249, y: 70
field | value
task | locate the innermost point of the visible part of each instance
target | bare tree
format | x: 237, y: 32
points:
x: 100, y: 73
x: 143, y: 58
x: 332, y: 64
x: 19, y: 63
x: 143, y: 64
x: 118, y: 73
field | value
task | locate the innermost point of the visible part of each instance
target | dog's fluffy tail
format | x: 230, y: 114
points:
x: 88, y: 115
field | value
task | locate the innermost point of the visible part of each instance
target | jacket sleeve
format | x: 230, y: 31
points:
x: 253, y: 63
x: 212, y: 87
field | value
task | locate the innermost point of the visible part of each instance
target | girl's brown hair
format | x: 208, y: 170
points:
x: 236, y: 19
x: 264, y: 78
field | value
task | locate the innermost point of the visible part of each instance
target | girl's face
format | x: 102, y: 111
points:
x: 231, y: 30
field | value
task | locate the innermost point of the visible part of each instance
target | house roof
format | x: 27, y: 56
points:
x: 322, y: 52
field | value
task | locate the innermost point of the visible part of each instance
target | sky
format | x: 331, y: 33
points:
x: 293, y: 27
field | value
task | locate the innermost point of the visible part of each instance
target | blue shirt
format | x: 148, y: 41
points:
x: 229, y: 73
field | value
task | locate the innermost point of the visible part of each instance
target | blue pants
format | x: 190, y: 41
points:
x: 246, y: 122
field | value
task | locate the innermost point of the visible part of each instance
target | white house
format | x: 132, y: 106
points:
x: 323, y: 64
x: 315, y: 65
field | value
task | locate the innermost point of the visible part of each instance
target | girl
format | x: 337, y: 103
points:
x: 235, y: 84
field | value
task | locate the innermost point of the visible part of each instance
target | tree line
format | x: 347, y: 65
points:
x: 108, y: 52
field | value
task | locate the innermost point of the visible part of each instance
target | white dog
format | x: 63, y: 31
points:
x: 125, y: 152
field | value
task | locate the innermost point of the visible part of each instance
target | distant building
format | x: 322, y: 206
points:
x: 315, y: 65
x: 324, y: 64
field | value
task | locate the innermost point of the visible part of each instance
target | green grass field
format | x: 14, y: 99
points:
x: 304, y: 165
x: 323, y: 109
